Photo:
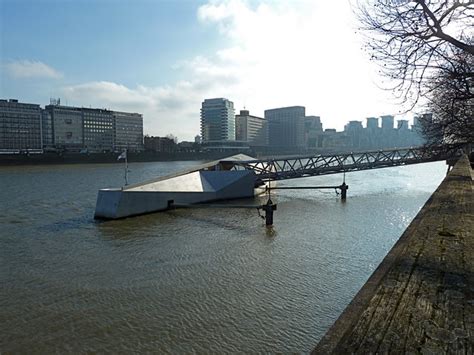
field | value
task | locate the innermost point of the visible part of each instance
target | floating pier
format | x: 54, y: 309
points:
x: 205, y: 183
x: 241, y: 176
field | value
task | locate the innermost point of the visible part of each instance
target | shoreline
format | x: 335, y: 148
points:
x: 99, y: 158
x: 419, y: 292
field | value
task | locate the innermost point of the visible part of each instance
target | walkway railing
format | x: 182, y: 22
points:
x: 302, y: 166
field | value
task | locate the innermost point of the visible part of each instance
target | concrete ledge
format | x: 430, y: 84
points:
x: 421, y: 297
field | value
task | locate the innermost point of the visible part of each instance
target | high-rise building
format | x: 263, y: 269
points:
x: 372, y: 134
x: 355, y: 131
x: 313, y: 129
x: 128, y: 131
x: 313, y: 123
x: 286, y: 127
x: 387, y: 122
x: 419, y: 123
x: 405, y: 137
x: 422, y: 120
x: 251, y: 129
x: 20, y: 126
x: 402, y: 125
x: 372, y: 123
x: 217, y: 120
x: 353, y: 126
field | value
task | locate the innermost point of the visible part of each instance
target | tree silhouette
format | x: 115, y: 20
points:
x: 425, y: 48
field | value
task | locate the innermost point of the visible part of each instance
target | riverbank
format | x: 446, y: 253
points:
x: 94, y: 158
x: 420, y: 299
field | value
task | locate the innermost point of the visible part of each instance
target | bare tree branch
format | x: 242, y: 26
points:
x: 425, y: 48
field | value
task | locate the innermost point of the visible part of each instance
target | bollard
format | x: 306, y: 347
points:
x: 344, y: 189
x: 269, y: 207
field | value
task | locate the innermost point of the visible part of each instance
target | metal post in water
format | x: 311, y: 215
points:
x: 344, y: 189
x: 126, y: 167
x: 269, y: 207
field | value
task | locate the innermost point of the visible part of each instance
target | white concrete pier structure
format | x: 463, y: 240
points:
x: 208, y: 182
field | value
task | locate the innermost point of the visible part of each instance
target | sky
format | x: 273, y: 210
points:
x: 162, y: 58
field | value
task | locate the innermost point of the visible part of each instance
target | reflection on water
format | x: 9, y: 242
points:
x: 202, y: 280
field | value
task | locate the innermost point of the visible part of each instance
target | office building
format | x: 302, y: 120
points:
x: 424, y: 119
x: 217, y: 120
x: 313, y: 129
x: 353, y: 126
x: 355, y: 132
x: 67, y: 127
x: 251, y: 129
x: 47, y: 129
x: 387, y: 122
x: 335, y: 141
x: 286, y: 127
x: 160, y: 144
x: 421, y: 122
x: 98, y: 130
x: 128, y: 131
x: 372, y: 123
x: 20, y: 126
x: 313, y: 123
x: 402, y: 125
x: 94, y: 130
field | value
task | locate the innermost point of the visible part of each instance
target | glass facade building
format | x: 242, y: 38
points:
x: 95, y: 130
x: 28, y: 127
x: 20, y: 126
x: 217, y: 120
x: 286, y: 127
x: 128, y: 131
x: 47, y: 129
x: 98, y: 130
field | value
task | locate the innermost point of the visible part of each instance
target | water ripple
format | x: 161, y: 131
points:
x: 184, y: 281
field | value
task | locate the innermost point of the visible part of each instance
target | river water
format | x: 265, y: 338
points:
x: 194, y: 280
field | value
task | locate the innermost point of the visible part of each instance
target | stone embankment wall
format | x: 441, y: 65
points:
x: 421, y: 297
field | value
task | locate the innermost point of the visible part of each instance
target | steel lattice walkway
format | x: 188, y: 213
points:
x: 303, y: 166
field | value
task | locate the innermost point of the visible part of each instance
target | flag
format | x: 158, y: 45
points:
x: 123, y: 155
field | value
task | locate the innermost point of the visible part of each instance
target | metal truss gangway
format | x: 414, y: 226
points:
x: 290, y: 167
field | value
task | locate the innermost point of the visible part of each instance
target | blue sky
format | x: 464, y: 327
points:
x: 127, y: 41
x: 163, y: 58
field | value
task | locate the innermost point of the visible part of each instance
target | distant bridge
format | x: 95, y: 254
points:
x: 281, y: 168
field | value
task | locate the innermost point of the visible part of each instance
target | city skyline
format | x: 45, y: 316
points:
x: 376, y: 120
x: 171, y: 55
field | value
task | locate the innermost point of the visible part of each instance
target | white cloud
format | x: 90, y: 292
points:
x: 31, y: 69
x: 166, y: 109
x: 297, y: 53
x: 109, y: 94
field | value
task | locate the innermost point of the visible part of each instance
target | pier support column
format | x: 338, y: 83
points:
x: 344, y: 189
x: 269, y: 207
